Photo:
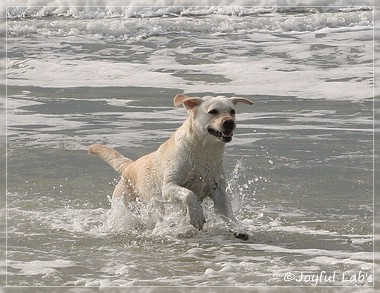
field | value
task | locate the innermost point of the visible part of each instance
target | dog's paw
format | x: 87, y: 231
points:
x: 241, y: 236
x: 198, y: 224
x: 197, y: 219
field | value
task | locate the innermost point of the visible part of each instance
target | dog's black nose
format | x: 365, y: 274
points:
x: 229, y: 124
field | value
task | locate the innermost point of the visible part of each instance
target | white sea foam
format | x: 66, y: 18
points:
x: 39, y: 267
x: 231, y: 69
x: 128, y: 25
x: 111, y: 9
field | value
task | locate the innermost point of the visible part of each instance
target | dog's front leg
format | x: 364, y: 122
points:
x: 189, y: 200
x: 223, y: 207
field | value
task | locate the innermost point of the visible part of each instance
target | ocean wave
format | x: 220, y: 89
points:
x: 128, y: 23
x: 100, y: 12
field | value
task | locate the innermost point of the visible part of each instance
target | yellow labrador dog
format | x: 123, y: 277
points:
x: 187, y: 167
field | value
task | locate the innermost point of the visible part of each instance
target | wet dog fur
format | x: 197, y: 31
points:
x: 188, y: 167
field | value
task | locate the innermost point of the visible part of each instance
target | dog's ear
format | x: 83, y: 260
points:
x: 188, y: 102
x: 236, y: 100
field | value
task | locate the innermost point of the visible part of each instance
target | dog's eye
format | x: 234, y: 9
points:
x: 232, y: 112
x: 213, y: 112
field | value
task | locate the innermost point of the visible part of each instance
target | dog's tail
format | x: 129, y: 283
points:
x: 112, y: 157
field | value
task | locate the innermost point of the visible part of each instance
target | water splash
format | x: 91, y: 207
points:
x: 242, y: 190
x: 158, y: 218
x: 146, y: 219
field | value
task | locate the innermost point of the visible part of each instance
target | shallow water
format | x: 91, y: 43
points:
x: 300, y: 167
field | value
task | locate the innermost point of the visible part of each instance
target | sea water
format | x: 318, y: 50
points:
x: 299, y: 169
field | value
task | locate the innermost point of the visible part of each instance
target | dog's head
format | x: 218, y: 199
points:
x: 213, y: 117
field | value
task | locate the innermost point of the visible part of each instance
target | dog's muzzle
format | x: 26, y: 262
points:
x: 226, y: 134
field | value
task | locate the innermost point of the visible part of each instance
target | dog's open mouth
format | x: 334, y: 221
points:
x: 225, y: 136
